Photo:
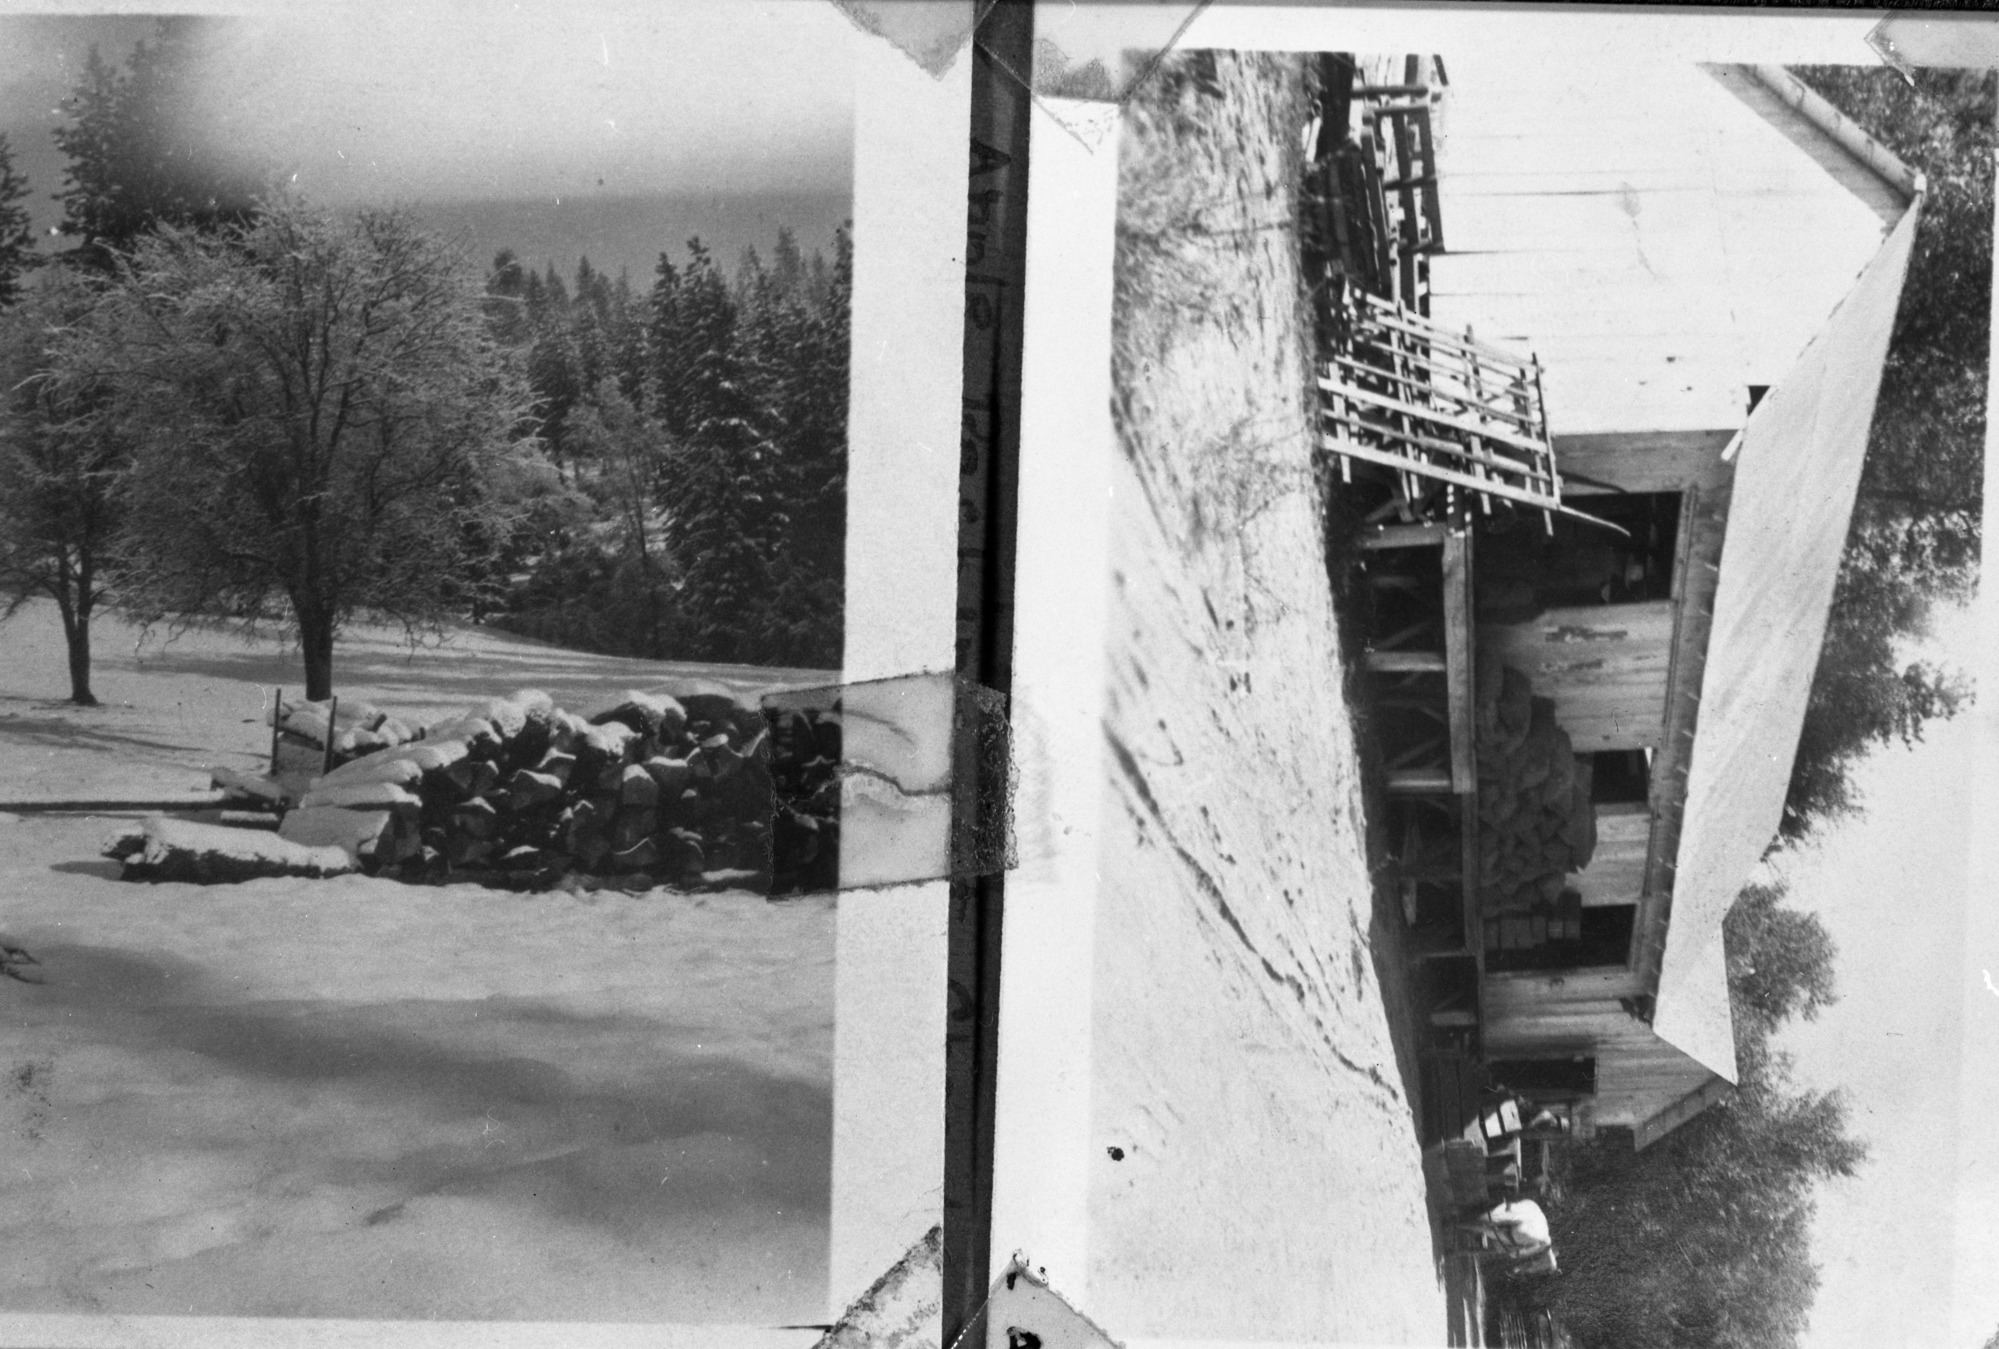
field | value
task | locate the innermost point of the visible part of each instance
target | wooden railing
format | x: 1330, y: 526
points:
x: 1458, y: 421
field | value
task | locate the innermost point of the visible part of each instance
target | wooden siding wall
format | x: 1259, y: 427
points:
x: 1690, y: 463
x: 1605, y: 666
x: 1616, y: 872
x: 1659, y: 243
x: 1559, y: 1015
x: 1649, y: 461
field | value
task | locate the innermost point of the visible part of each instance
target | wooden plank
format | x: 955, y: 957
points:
x: 1433, y: 212
x: 1387, y: 317
x: 1650, y: 461
x: 1468, y: 856
x: 1403, y: 662
x: 1420, y: 782
x: 1460, y: 655
x: 1454, y: 386
x: 1616, y: 871
x: 1405, y: 536
x: 1435, y: 415
x: 1523, y: 468
x: 1606, y: 667
x: 1341, y: 445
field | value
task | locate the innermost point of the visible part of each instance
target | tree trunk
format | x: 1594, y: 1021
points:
x: 76, y: 632
x: 315, y: 632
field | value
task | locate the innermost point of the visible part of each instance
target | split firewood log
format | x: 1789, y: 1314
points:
x: 398, y: 766
x: 655, y: 717
x: 360, y: 833
x: 469, y: 852
x: 638, y: 787
x: 672, y: 775
x: 523, y: 858
x: 527, y: 789
x: 475, y: 733
x: 477, y: 818
x: 364, y: 796
x: 557, y: 763
x: 640, y: 856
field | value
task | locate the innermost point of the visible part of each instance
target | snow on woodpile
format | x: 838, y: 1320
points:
x: 165, y: 849
x: 357, y: 727
x: 702, y: 790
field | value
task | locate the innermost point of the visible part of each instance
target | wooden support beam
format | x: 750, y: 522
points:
x: 1434, y: 415
x: 1405, y: 536
x: 1420, y: 781
x: 1375, y: 311
x: 1404, y: 662
x: 1474, y: 920
x: 1459, y: 657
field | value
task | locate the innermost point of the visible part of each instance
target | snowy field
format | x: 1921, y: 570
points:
x: 358, y: 1098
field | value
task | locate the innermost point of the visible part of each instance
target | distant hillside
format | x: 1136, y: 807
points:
x: 631, y: 232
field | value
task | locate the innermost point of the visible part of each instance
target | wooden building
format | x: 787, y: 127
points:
x: 1707, y: 262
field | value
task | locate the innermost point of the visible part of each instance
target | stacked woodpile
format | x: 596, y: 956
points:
x: 358, y: 729
x: 700, y: 791
x: 1536, y: 824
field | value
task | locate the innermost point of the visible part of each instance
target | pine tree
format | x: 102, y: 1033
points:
x: 17, y: 239
x: 135, y: 163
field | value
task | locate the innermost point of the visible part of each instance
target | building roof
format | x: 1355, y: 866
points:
x: 1797, y: 469
x: 1639, y: 227
x: 1667, y: 237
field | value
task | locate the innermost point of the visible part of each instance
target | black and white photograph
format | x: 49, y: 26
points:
x: 1514, y: 880
x: 424, y: 510
x: 804, y: 674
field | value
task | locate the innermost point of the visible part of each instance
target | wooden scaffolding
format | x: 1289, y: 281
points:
x: 1454, y: 419
x: 1373, y: 180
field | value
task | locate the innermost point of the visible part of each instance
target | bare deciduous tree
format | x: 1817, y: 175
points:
x: 60, y: 463
x: 321, y: 427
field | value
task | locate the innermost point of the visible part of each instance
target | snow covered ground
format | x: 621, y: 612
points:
x: 358, y: 1098
x: 1255, y: 1172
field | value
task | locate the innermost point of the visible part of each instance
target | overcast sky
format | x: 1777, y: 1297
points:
x: 728, y: 116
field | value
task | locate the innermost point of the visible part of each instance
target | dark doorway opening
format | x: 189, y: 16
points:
x: 1620, y: 776
x: 1547, y: 1081
x: 1605, y: 940
x: 1524, y: 569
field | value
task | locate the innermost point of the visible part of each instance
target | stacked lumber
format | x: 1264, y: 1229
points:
x: 1536, y: 823
x: 652, y: 790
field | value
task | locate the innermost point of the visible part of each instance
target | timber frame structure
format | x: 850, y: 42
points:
x: 1636, y: 228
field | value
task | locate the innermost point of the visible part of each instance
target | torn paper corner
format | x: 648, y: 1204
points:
x: 903, y: 1309
x: 1913, y: 39
x: 929, y: 32
x: 1023, y: 1312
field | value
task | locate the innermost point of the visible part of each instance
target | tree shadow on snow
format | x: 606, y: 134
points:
x: 497, y: 1097
x: 67, y: 733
